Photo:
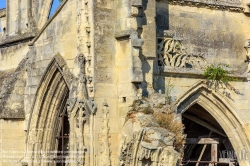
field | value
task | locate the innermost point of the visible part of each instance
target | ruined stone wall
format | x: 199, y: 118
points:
x: 11, y: 56
x: 218, y: 35
x: 105, y: 78
x: 40, y: 11
x: 24, y: 67
x: 120, y: 29
x: 107, y: 53
x: 58, y: 37
x: 17, y: 17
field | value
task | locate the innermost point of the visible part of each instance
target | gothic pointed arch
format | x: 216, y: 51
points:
x: 48, y: 111
x: 221, y: 109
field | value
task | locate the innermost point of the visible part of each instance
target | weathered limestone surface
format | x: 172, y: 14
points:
x: 92, y: 59
x: 12, y: 142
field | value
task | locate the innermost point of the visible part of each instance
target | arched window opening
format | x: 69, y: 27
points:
x: 63, y: 140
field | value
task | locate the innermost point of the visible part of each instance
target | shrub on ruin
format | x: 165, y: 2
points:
x: 168, y: 121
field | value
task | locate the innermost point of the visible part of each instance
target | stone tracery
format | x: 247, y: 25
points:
x: 171, y: 53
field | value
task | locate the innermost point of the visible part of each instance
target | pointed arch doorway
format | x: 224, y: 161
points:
x: 48, y: 128
x: 206, y: 142
x: 219, y: 110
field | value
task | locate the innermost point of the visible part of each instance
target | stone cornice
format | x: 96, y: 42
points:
x: 232, y: 5
x: 189, y: 72
x: 13, y: 40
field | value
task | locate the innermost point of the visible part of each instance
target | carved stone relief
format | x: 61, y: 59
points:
x: 147, y: 145
x: 81, y: 105
x: 247, y: 47
x: 172, y: 54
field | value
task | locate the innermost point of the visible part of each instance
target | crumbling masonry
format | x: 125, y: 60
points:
x: 87, y: 85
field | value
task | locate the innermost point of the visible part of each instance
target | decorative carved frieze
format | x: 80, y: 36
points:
x: 172, y: 54
x: 231, y: 5
x: 81, y: 105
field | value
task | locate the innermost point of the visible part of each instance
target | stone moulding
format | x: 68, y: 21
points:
x: 14, y: 40
x: 233, y: 5
x: 53, y: 88
x: 192, y: 72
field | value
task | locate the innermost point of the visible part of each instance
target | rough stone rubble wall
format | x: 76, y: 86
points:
x: 118, y: 58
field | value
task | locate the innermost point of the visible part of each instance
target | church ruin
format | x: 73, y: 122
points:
x: 121, y: 82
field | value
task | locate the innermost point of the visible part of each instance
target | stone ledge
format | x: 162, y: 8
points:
x: 125, y: 34
x: 16, y: 40
x: 194, y: 72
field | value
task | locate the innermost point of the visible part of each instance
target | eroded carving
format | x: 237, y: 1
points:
x: 171, y: 53
x: 144, y: 140
x: 247, y: 47
x: 104, y: 137
x: 149, y: 145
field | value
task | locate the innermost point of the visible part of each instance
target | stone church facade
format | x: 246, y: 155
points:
x: 71, y: 85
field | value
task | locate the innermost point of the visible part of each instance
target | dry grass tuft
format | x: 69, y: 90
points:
x: 168, y: 121
x: 147, y: 110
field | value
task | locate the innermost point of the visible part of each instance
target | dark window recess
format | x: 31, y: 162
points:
x: 124, y: 99
x: 63, y: 141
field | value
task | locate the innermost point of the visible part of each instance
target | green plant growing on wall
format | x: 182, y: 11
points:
x: 218, y: 76
x: 218, y: 73
x: 168, y: 89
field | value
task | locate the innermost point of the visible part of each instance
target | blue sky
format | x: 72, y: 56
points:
x: 54, y: 6
x: 2, y: 4
x: 56, y: 3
